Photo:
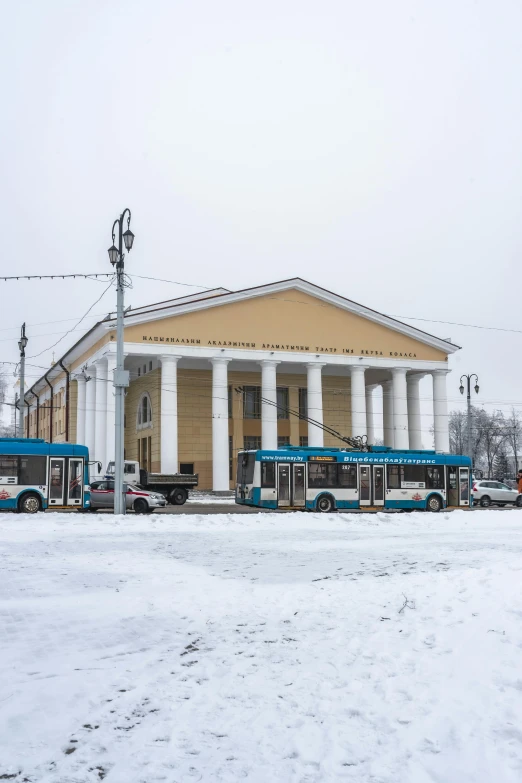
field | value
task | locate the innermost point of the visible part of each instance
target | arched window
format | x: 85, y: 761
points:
x: 144, y: 416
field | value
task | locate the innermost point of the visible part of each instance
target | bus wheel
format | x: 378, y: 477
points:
x: 325, y: 504
x: 29, y: 504
x: 141, y: 506
x: 434, y: 503
x: 178, y: 496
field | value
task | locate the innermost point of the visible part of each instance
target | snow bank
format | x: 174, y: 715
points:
x: 294, y: 648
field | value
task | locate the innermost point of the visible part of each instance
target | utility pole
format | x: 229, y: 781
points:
x: 22, y: 344
x: 121, y: 376
x: 468, y: 378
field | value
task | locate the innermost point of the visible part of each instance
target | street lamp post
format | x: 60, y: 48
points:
x: 22, y: 345
x: 121, y: 376
x: 468, y: 378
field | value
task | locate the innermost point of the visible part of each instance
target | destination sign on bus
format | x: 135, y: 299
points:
x: 321, y: 459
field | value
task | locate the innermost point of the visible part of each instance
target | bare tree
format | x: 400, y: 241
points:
x: 514, y: 433
x: 457, y: 432
x: 494, y: 437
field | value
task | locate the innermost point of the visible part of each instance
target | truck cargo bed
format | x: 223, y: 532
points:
x: 170, y: 479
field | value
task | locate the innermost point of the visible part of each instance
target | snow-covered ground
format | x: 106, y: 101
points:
x: 209, y: 498
x: 271, y: 648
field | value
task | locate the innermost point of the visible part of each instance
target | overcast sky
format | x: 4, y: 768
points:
x: 374, y: 148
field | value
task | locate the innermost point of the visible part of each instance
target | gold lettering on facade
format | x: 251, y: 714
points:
x: 279, y: 347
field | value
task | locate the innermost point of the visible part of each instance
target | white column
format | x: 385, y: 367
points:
x: 220, y: 480
x: 440, y: 411
x: 269, y: 412
x: 400, y: 409
x: 414, y: 411
x: 358, y: 398
x: 90, y: 402
x: 110, y: 443
x: 169, y: 414
x: 315, y: 402
x: 80, y: 410
x: 387, y: 413
x: 370, y: 425
x: 100, y: 425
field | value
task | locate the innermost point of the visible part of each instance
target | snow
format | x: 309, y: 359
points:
x: 269, y: 648
x: 208, y: 498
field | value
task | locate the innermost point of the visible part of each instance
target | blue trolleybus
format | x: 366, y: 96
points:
x: 326, y: 479
x: 35, y: 475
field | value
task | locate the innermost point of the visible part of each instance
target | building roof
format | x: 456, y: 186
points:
x: 221, y: 296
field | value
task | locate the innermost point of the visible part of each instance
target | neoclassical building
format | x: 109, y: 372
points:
x: 204, y: 368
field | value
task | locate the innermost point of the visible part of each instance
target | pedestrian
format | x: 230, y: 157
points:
x: 519, y: 480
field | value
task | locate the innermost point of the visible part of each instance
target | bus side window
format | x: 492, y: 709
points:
x: 268, y: 474
x: 347, y: 476
x: 435, y: 477
x: 394, y: 481
x: 322, y: 474
x: 8, y: 466
x: 32, y: 470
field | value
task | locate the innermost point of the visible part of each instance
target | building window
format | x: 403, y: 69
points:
x: 186, y: 468
x: 150, y: 366
x: 282, y: 440
x: 282, y: 402
x: 144, y: 416
x: 230, y: 456
x: 303, y: 441
x: 251, y: 442
x: 139, y: 371
x: 303, y: 403
x: 230, y: 402
x: 145, y: 453
x: 144, y: 369
x: 251, y: 402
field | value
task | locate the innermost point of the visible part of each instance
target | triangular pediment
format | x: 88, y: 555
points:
x: 289, y: 316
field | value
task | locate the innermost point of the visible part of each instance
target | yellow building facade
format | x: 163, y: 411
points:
x: 214, y: 373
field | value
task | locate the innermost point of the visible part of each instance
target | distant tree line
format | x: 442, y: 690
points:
x: 495, y: 440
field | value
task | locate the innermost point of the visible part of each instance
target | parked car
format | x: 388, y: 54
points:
x: 486, y: 493
x: 142, y: 501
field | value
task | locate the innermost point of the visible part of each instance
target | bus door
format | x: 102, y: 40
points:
x: 56, y: 481
x: 75, y: 485
x: 371, y: 485
x: 298, y: 485
x: 283, y: 484
x: 452, y: 484
x: 464, y: 492
x: 291, y: 486
x: 378, y: 485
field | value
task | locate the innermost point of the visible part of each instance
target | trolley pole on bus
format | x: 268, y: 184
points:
x: 22, y: 345
x: 468, y: 378
x: 121, y: 376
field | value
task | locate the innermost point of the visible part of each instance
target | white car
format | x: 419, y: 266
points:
x: 142, y: 501
x: 486, y: 493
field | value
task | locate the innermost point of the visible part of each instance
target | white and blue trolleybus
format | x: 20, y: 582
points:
x: 327, y: 479
x: 35, y: 475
